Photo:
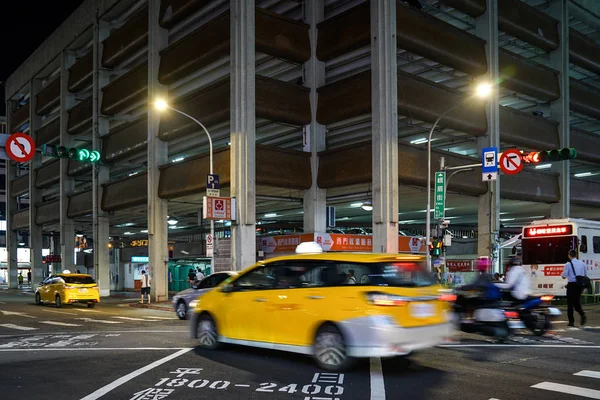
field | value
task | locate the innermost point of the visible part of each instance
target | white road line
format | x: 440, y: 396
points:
x: 18, y: 327
x: 549, y: 346
x: 86, y: 310
x: 100, y: 321
x: 124, y: 379
x: 60, y: 312
x: 16, y: 313
x: 148, y: 316
x: 57, y: 323
x: 242, y: 385
x: 1, y: 302
x: 135, y: 331
x: 135, y: 319
x: 377, y: 382
x: 588, y: 374
x: 94, y: 349
x: 568, y: 389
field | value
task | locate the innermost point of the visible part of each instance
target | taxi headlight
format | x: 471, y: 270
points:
x: 193, y: 304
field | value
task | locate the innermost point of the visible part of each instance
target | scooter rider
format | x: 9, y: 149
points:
x: 517, y: 282
x: 483, y: 285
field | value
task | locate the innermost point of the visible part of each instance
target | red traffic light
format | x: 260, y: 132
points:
x: 532, y: 158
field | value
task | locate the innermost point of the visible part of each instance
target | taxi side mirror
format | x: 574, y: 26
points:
x: 228, y: 288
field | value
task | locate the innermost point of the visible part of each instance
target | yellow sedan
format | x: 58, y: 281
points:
x: 333, y: 306
x: 68, y: 288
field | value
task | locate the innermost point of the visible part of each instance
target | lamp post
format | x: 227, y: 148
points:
x: 162, y: 105
x: 483, y: 91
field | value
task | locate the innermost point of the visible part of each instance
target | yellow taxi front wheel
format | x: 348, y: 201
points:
x: 57, y: 301
x: 38, y: 299
x: 330, y: 351
x: 207, y: 332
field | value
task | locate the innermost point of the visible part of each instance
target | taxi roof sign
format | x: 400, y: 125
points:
x: 309, y: 247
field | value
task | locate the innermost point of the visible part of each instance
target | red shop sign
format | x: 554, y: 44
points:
x: 459, y: 265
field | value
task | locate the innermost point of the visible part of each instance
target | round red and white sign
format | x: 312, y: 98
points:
x: 20, y: 147
x: 511, y: 162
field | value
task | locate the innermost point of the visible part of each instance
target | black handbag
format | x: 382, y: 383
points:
x: 583, y: 281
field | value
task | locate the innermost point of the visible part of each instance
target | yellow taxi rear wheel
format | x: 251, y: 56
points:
x: 330, y: 351
x: 207, y: 332
x: 57, y: 301
x: 91, y: 304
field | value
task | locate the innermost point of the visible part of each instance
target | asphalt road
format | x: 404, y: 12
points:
x: 119, y: 352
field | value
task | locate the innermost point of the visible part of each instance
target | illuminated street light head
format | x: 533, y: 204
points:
x: 483, y: 90
x: 160, y: 105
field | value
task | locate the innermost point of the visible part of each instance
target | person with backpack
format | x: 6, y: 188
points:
x: 573, y: 270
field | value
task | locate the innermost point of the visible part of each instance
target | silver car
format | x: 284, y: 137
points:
x: 181, y: 301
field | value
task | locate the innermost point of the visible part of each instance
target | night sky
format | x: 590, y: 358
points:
x: 24, y: 25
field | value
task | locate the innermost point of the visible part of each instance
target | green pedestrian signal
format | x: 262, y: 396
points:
x: 73, y: 153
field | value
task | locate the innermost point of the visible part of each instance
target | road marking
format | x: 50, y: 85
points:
x: 147, y: 316
x: 60, y: 312
x: 549, y: 346
x: 1, y: 302
x: 86, y: 310
x: 57, y: 323
x: 568, y: 389
x: 377, y: 382
x: 16, y: 313
x: 100, y: 321
x: 242, y: 385
x: 588, y: 374
x: 95, y: 349
x: 135, y: 319
x: 18, y: 327
x: 124, y: 379
x: 108, y: 332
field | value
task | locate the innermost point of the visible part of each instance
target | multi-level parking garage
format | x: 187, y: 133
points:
x: 309, y: 103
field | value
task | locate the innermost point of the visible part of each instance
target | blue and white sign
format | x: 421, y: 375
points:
x: 489, y: 163
x: 139, y: 259
x: 212, y: 185
x: 212, y: 181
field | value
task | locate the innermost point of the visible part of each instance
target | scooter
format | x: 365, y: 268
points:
x: 534, y: 314
x: 488, y: 317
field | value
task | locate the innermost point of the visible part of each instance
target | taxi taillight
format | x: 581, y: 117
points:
x: 447, y: 297
x: 384, y: 299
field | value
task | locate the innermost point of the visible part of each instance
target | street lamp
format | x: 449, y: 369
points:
x: 482, y: 91
x: 162, y: 105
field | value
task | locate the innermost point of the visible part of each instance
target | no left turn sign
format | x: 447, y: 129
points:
x: 20, y: 147
x: 511, y: 162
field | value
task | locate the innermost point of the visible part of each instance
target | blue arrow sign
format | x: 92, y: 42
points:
x: 489, y: 160
x: 212, y: 181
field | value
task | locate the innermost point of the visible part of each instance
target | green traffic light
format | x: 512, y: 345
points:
x: 567, y: 153
x: 83, y: 154
x: 94, y: 156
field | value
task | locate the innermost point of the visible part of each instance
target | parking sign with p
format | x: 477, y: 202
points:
x: 212, y: 185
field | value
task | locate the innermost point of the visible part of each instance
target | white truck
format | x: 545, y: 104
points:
x: 545, y: 246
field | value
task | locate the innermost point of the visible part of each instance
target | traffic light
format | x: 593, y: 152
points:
x: 435, y: 248
x: 534, y: 157
x: 73, y: 153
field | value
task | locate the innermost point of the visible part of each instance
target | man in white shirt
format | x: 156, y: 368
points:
x: 571, y: 271
x: 146, y: 281
x: 517, y: 281
x: 199, y: 276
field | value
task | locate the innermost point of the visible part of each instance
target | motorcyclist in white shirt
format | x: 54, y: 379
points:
x: 517, y: 281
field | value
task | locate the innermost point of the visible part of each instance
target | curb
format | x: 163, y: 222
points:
x: 151, y: 307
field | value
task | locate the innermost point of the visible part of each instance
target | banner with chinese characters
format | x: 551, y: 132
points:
x: 341, y: 242
x: 459, y: 265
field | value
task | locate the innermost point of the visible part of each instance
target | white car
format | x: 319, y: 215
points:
x: 181, y: 301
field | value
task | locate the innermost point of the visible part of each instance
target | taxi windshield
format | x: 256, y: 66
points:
x: 81, y: 280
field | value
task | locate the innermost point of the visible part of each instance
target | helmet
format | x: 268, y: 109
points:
x: 483, y: 264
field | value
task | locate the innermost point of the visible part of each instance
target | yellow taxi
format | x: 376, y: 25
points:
x: 333, y: 306
x: 67, y: 288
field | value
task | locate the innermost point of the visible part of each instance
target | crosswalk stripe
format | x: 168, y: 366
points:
x: 588, y: 374
x: 59, y: 312
x: 148, y: 316
x: 568, y: 389
x: 58, y: 323
x: 135, y: 319
x: 101, y: 321
x: 21, y: 328
x: 86, y: 310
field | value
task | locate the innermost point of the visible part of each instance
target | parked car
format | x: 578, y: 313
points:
x: 181, y: 301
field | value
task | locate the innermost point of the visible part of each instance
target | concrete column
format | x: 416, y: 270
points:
x: 384, y: 100
x: 488, y: 223
x: 243, y: 135
x: 100, y: 173
x: 35, y: 198
x: 559, y: 58
x: 158, y: 250
x: 11, y: 208
x: 315, y: 199
x: 67, y: 183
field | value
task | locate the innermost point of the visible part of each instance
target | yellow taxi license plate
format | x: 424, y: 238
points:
x: 422, y: 310
x: 82, y: 290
